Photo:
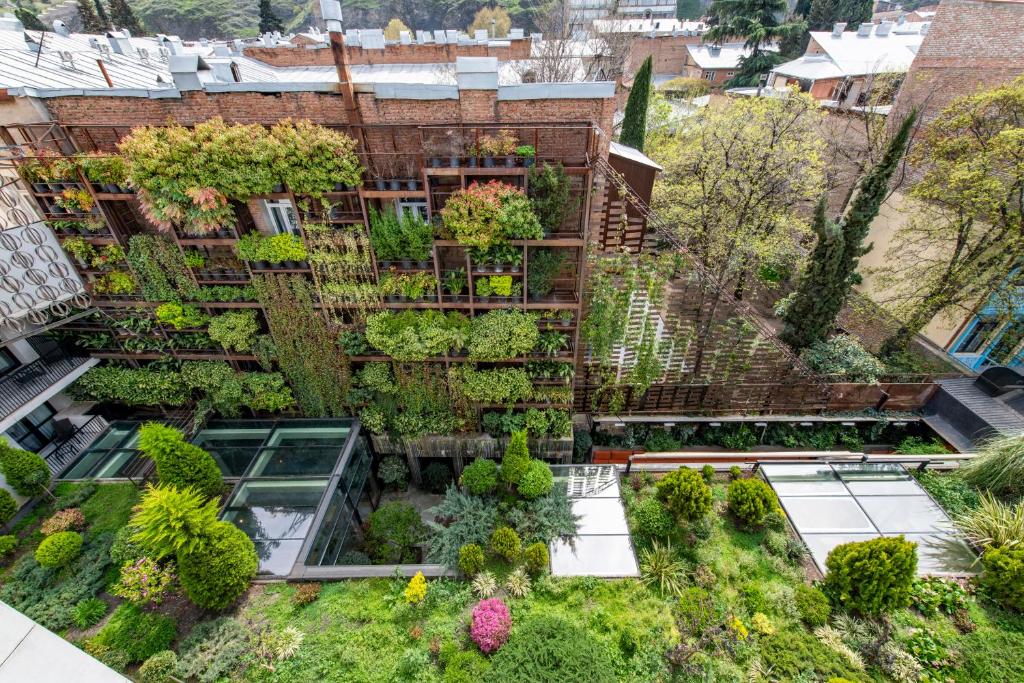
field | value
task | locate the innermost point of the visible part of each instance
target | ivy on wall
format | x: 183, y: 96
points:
x: 160, y: 268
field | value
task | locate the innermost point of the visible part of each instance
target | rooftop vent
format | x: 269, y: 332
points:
x: 864, y: 30
x: 60, y: 28
x: 837, y: 29
x: 883, y: 29
x: 120, y: 42
x: 330, y: 10
x: 143, y: 55
x: 405, y: 37
x: 10, y: 23
x: 67, y: 60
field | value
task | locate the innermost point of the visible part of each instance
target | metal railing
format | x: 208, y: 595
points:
x: 68, y: 450
x: 31, y: 380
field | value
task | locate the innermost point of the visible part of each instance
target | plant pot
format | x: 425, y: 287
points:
x: 111, y: 188
x: 278, y: 189
x: 423, y: 265
x: 339, y: 187
x: 55, y: 187
x: 528, y: 162
x: 488, y: 162
x: 41, y: 187
x: 514, y: 269
x: 473, y: 162
x: 412, y: 185
x: 435, y: 162
x: 385, y: 265
x: 406, y: 263
x: 510, y: 162
x: 57, y: 210
x: 430, y: 297
x: 393, y: 298
x: 454, y: 162
x: 395, y: 185
x: 381, y: 184
x: 261, y: 265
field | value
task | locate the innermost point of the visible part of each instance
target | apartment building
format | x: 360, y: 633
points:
x: 715, y: 64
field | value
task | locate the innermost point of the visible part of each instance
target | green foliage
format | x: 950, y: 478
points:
x: 505, y: 543
x: 750, y: 500
x: 437, y: 476
x: 685, y: 494
x: 708, y: 472
x: 460, y: 519
x: 537, y: 481
x: 24, y: 471
x: 29, y: 19
x: 161, y: 268
x: 756, y: 24
x: 913, y: 445
x: 812, y: 605
x: 843, y: 359
x: 993, y: 524
x: 393, y: 472
x: 480, y: 477
x: 652, y: 519
x: 998, y: 466
x: 122, y: 16
x: 471, y: 559
x: 465, y: 666
x: 1003, y: 575
x: 212, y: 650
x: 483, y: 215
x: 402, y: 237
x: 500, y: 385
x: 516, y: 460
x: 416, y: 335
x: 634, y: 122
x: 536, y: 558
x: 180, y: 317
x: 8, y: 542
x: 8, y: 507
x: 271, y: 248
x: 871, y: 577
x: 931, y: 595
x: 500, y: 335
x: 235, y: 330
x: 179, y: 463
x: 393, y: 531
x: 660, y: 568
x: 159, y: 667
x: 550, y: 191
x: 173, y: 522
x: 89, y: 612
x: 549, y: 649
x: 795, y: 653
x: 216, y: 575
x: 132, y: 386
x: 57, y: 550
x: 137, y: 633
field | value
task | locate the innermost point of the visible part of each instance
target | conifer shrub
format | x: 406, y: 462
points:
x: 708, y: 472
x: 516, y: 460
x: 685, y: 493
x: 471, y: 559
x: 436, y: 477
x: 536, y: 558
x: 537, y: 481
x: 212, y: 650
x: 8, y: 507
x: 24, y: 471
x: 813, y: 605
x: 1003, y: 575
x: 550, y: 649
x: 871, y: 577
x: 219, y: 572
x: 751, y: 500
x: 505, y: 542
x: 652, y: 519
x: 480, y: 477
x: 59, y: 549
x: 8, y: 543
x: 159, y: 668
x: 179, y: 463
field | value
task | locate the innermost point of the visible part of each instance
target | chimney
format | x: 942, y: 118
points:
x: 186, y: 71
x: 60, y: 28
x: 330, y: 10
x: 864, y: 30
x: 883, y: 29
x: 837, y: 29
x: 120, y: 42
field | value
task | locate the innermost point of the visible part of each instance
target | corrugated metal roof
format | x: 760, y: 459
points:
x: 720, y: 57
x: 855, y: 55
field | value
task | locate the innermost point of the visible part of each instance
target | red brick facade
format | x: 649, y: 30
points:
x: 391, y: 54
x: 668, y: 53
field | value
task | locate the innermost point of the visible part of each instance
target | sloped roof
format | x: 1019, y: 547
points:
x: 633, y: 154
x: 855, y: 55
x: 720, y: 56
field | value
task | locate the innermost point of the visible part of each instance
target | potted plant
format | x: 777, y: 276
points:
x: 389, y: 287
x: 411, y: 184
x: 565, y: 316
x: 379, y: 171
x: 544, y: 267
x: 82, y: 251
x: 501, y: 285
x: 454, y: 144
x: 76, y: 200
x: 194, y: 259
x: 508, y: 255
x: 107, y: 172
x: 114, y: 283
x: 488, y: 147
x: 482, y: 288
x: 110, y: 255
x: 455, y: 282
x: 35, y: 172
x: 506, y: 146
x: 527, y: 153
x: 54, y: 208
x: 434, y: 149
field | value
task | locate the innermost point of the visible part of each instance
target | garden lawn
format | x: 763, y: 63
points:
x: 110, y: 507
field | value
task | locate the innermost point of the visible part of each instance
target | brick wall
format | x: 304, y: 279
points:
x: 971, y: 45
x: 391, y: 54
x: 668, y: 53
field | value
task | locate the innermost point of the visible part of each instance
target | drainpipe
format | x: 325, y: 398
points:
x: 331, y: 10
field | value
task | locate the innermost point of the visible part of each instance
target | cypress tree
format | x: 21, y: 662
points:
x: 828, y: 278
x: 634, y: 125
x: 102, y: 14
x: 90, y: 22
x: 269, y: 22
x: 122, y: 16
x: 29, y: 19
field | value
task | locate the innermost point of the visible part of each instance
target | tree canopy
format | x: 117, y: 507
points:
x: 634, y: 122
x: 755, y: 21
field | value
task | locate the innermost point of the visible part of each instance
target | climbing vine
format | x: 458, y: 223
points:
x: 160, y: 268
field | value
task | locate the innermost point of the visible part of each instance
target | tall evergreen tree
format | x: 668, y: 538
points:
x: 90, y: 22
x: 269, y: 22
x: 29, y: 19
x: 828, y: 278
x: 634, y: 123
x: 755, y: 21
x: 123, y: 16
x: 101, y: 12
x: 824, y: 13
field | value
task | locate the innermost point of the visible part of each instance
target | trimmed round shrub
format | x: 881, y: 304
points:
x: 7, y: 543
x: 708, y: 472
x: 70, y: 519
x: 471, y: 559
x: 685, y: 493
x: 491, y: 625
x: 178, y: 462
x: 393, y: 472
x: 393, y: 531
x: 159, y: 668
x: 813, y: 605
x: 652, y: 519
x: 465, y: 666
x: 537, y: 481
x: 480, y: 477
x: 8, y: 507
x: 536, y: 558
x: 516, y: 459
x: 89, y: 612
x: 751, y: 500
x: 871, y: 577
x: 1003, y: 575
x: 24, y: 471
x: 549, y: 649
x: 306, y: 593
x: 59, y: 549
x: 218, y: 574
x: 137, y: 633
x: 436, y: 477
x: 735, y: 473
x: 505, y: 542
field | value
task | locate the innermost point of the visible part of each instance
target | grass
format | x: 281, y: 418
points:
x: 110, y: 507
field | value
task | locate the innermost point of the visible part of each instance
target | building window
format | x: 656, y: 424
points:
x: 978, y: 337
x: 35, y: 431
x: 8, y: 363
x: 709, y: 75
x: 730, y: 74
x: 282, y: 216
x: 1007, y: 347
x: 418, y: 208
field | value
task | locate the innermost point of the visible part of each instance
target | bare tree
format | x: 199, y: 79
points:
x: 567, y: 54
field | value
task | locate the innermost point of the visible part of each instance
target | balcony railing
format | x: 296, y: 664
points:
x: 67, y: 451
x: 32, y: 380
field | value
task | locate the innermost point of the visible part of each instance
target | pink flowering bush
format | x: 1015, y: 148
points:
x: 144, y: 581
x: 70, y: 519
x: 491, y: 624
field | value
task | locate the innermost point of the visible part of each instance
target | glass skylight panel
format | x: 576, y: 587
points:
x: 820, y: 545
x: 804, y: 480
x: 943, y: 553
x: 827, y: 514
x: 600, y: 516
x: 905, y: 514
x: 603, y: 556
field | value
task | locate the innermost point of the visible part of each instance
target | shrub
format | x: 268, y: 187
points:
x: 932, y: 594
x: 516, y: 460
x: 159, y: 668
x: 480, y: 477
x: 461, y: 518
x: 144, y: 581
x: 1003, y: 575
x: 484, y: 585
x: 7, y: 544
x: 8, y: 506
x: 843, y: 359
x: 393, y: 531
x: 659, y: 567
x: 125, y: 548
x: 813, y: 606
x: 505, y: 542
x: 59, y: 549
x: 685, y: 493
x: 490, y: 625
x: 471, y: 559
x: 537, y: 481
x: 465, y: 666
x: 173, y: 522
x: 89, y: 612
x: 25, y: 472
x: 271, y: 645
x: 63, y: 520
x: 652, y: 519
x: 306, y: 594
x: 179, y: 463
x: 549, y: 649
x: 536, y: 558
x: 138, y: 634
x: 993, y: 523
x: 436, y: 477
x: 793, y: 654
x: 517, y: 583
x: 500, y: 335
x: 708, y: 472
x: 735, y: 473
x: 751, y: 500
x: 217, y: 574
x: 949, y: 490
x: 212, y: 650
x: 235, y: 330
x: 871, y: 577
x: 416, y: 591
x: 393, y: 472
x: 999, y: 465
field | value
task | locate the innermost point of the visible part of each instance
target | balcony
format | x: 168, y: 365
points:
x: 31, y: 384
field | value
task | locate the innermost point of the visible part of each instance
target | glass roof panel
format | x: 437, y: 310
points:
x: 804, y: 480
x: 941, y: 553
x: 604, y: 556
x: 826, y: 514
x: 871, y: 471
x: 905, y: 514
x: 600, y: 516
x: 821, y: 545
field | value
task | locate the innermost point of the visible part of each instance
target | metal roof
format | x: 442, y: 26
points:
x: 633, y: 154
x: 720, y: 56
